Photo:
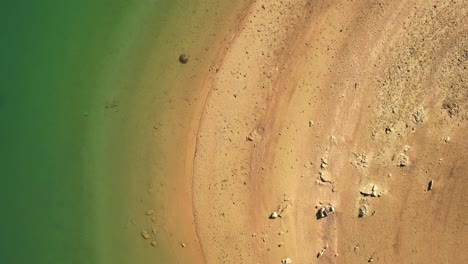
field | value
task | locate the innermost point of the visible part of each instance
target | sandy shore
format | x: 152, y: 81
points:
x: 312, y: 102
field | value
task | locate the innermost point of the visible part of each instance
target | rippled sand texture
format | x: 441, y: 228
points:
x: 352, y: 90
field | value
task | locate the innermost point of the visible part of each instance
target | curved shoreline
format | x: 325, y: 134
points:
x: 192, y: 151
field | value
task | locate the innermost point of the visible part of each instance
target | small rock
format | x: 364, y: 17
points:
x: 311, y: 123
x: 145, y: 234
x: 273, y: 215
x: 406, y: 148
x: 430, y: 185
x: 388, y: 130
x: 286, y: 261
x: 369, y: 190
x: 447, y: 139
x: 183, y: 245
x: 252, y: 136
x: 322, y: 251
x: 324, y: 177
x: 403, y: 160
x: 324, y: 160
x: 149, y: 212
x: 183, y: 58
x: 363, y: 210
x: 419, y: 116
x: 153, y: 243
x: 280, y: 244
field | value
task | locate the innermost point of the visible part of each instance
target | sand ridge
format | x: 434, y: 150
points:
x: 373, y: 78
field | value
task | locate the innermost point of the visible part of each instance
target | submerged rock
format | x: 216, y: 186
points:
x: 145, y: 234
x: 149, y: 212
x: 183, y: 58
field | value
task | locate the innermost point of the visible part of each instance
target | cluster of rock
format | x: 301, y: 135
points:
x: 325, y: 211
x: 361, y: 160
x: 370, y: 190
x: 324, y: 175
x: 147, y: 235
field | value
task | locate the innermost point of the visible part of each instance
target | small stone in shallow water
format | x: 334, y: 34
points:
x: 183, y: 59
x: 150, y: 212
x: 145, y: 234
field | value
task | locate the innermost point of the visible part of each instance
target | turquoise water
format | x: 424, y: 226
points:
x: 55, y: 55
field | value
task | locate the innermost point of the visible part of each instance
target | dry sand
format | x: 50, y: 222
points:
x: 357, y: 84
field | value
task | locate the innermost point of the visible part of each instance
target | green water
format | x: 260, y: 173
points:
x: 62, y: 63
x: 83, y: 85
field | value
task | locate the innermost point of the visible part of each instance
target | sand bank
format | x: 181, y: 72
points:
x: 339, y: 88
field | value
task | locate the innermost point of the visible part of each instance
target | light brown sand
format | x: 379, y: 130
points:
x: 354, y: 68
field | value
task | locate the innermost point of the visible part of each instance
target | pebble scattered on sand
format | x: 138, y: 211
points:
x: 430, y: 185
x: 273, y: 215
x: 325, y: 177
x: 363, y: 210
x: 402, y: 160
x: 322, y: 251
